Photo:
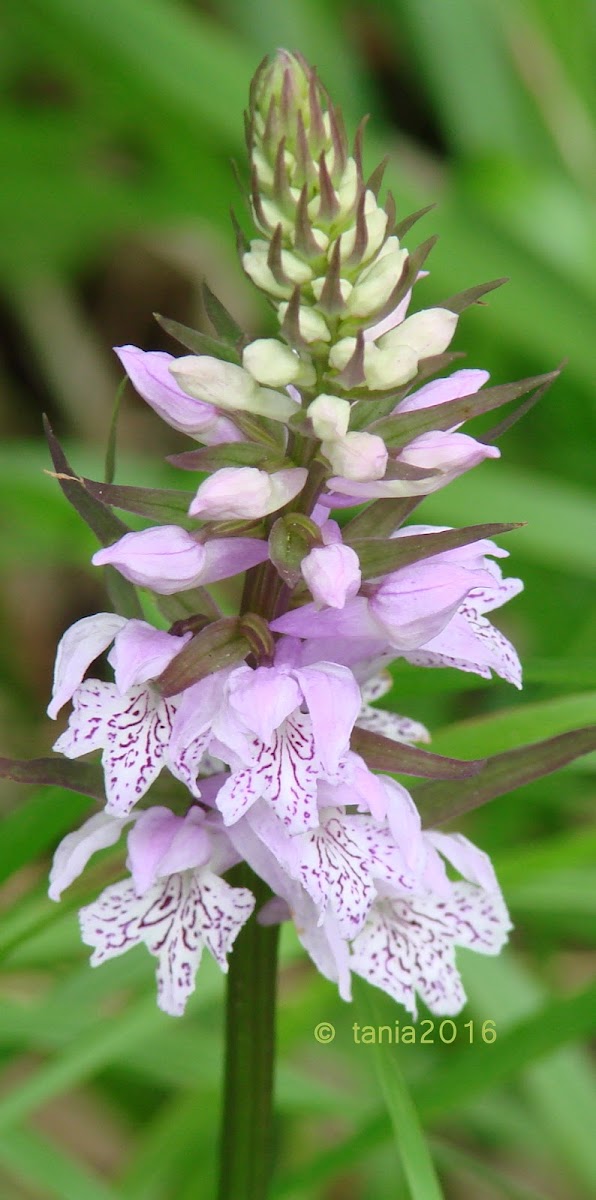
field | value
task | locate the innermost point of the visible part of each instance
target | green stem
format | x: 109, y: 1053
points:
x: 246, y: 1130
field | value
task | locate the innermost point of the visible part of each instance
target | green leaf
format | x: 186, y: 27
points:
x: 110, y: 462
x: 472, y: 295
x: 76, y: 776
x: 167, y: 505
x: 379, y: 556
x: 229, y: 454
x: 383, y: 754
x: 502, y: 1185
x: 222, y: 321
x: 512, y: 727
x: 438, y: 802
x: 381, y: 518
x: 98, y: 517
x: 400, y: 429
x: 413, y: 1149
x: 106, y: 527
x: 198, y: 343
x: 477, y: 1067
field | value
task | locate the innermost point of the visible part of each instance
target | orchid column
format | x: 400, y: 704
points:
x: 242, y: 755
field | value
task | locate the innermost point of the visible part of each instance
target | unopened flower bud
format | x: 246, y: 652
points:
x: 359, y: 456
x: 329, y: 417
x: 375, y: 220
x: 426, y: 333
x: 238, y: 493
x: 312, y: 325
x: 272, y: 363
x: 295, y: 271
x: 229, y: 387
x: 332, y: 574
x: 376, y: 283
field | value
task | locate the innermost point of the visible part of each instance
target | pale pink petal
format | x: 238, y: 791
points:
x: 449, y: 453
x: 238, y: 493
x: 353, y: 620
x: 149, y: 373
x: 332, y: 574
x: 192, y: 728
x: 333, y: 699
x: 141, y: 652
x: 403, y: 820
x: 415, y: 603
x: 77, y: 649
x: 75, y: 850
x: 191, y: 845
x: 439, y: 391
x: 263, y: 698
x: 148, y: 841
x: 231, y: 556
x: 471, y: 862
x: 274, y: 912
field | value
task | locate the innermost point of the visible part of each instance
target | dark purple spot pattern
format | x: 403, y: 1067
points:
x: 174, y: 919
x: 283, y: 771
x: 407, y: 946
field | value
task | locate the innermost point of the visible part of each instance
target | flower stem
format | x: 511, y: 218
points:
x: 246, y: 1132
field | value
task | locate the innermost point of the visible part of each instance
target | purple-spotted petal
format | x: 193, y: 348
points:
x: 388, y: 724
x: 137, y: 740
x: 174, y: 919
x: 479, y: 920
x: 323, y: 941
x: 283, y: 771
x: 93, y: 704
x: 335, y: 871
x: 132, y: 730
x: 470, y: 643
x: 406, y: 948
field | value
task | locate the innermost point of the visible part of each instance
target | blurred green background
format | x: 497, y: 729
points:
x: 119, y: 121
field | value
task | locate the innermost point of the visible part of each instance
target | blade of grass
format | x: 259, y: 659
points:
x: 412, y: 1147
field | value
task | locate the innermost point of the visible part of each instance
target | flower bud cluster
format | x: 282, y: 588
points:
x: 327, y: 254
